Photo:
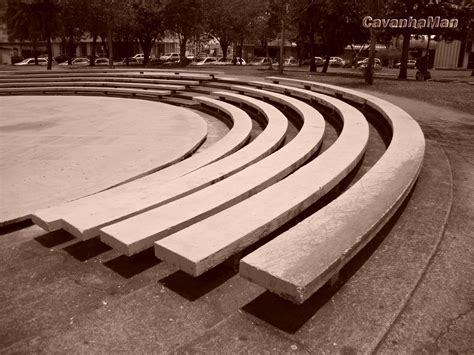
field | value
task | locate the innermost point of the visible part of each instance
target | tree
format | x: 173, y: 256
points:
x: 375, y: 7
x: 22, y: 24
x: 422, y: 9
x: 342, y: 20
x: 305, y: 16
x: 72, y: 25
x: 185, y: 18
x: 147, y: 24
x: 219, y: 22
x: 96, y: 23
x: 328, y: 20
x: 32, y: 21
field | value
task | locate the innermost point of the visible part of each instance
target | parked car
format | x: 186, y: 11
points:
x: 205, y: 61
x: 170, y: 57
x: 336, y: 62
x: 60, y: 58
x: 377, y: 64
x: 78, y: 62
x: 411, y: 64
x: 290, y: 62
x: 238, y: 61
x: 131, y: 61
x: 31, y: 61
x: 140, y: 57
x: 317, y: 60
x: 365, y: 60
x: 361, y: 60
x: 223, y: 61
x: 102, y: 61
x: 261, y: 61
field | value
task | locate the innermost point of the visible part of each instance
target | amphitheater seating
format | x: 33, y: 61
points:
x: 84, y: 217
x: 138, y: 233
x: 86, y: 74
x: 298, y: 262
x: 205, y: 209
x: 67, y: 71
x: 156, y: 94
x: 204, y: 245
x: 32, y: 80
x: 172, y: 88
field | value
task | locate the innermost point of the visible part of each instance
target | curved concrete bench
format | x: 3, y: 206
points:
x: 62, y: 79
x: 99, y: 210
x: 138, y: 233
x: 298, y: 262
x: 129, y: 85
x: 51, y: 218
x: 206, y: 244
x: 84, y: 89
x: 84, y: 217
x: 209, y: 73
x: 158, y: 75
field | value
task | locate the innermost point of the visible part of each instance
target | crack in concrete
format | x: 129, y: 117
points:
x: 450, y: 324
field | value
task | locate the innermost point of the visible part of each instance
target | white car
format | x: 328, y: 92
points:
x: 78, y: 62
x: 205, y: 61
x: 170, y: 57
x: 260, y: 61
x: 222, y: 61
x: 336, y: 62
x: 290, y: 62
x: 230, y: 61
x: 411, y: 64
x: 140, y: 57
x: 31, y: 61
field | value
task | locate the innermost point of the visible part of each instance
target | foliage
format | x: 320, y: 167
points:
x: 32, y: 21
x: 459, y: 9
x: 185, y: 18
x: 146, y: 23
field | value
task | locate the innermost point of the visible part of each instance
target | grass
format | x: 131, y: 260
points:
x: 456, y: 95
x: 459, y: 96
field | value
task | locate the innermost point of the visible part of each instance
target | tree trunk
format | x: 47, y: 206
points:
x: 369, y: 70
x: 111, y: 49
x: 182, y: 50
x: 35, y: 51
x: 404, y: 59
x: 147, y: 45
x: 282, y: 47
x: 70, y: 49
x: 267, y: 54
x: 94, y: 42
x: 326, y: 63
x: 312, y: 63
x: 50, y: 52
x: 224, y: 46
x: 104, y: 45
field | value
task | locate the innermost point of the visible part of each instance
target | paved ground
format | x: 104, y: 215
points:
x: 411, y: 290
x: 49, y: 154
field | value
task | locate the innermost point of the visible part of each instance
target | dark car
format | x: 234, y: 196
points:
x: 60, y: 58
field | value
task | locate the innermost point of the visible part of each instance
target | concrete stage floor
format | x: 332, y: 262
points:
x: 57, y: 149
